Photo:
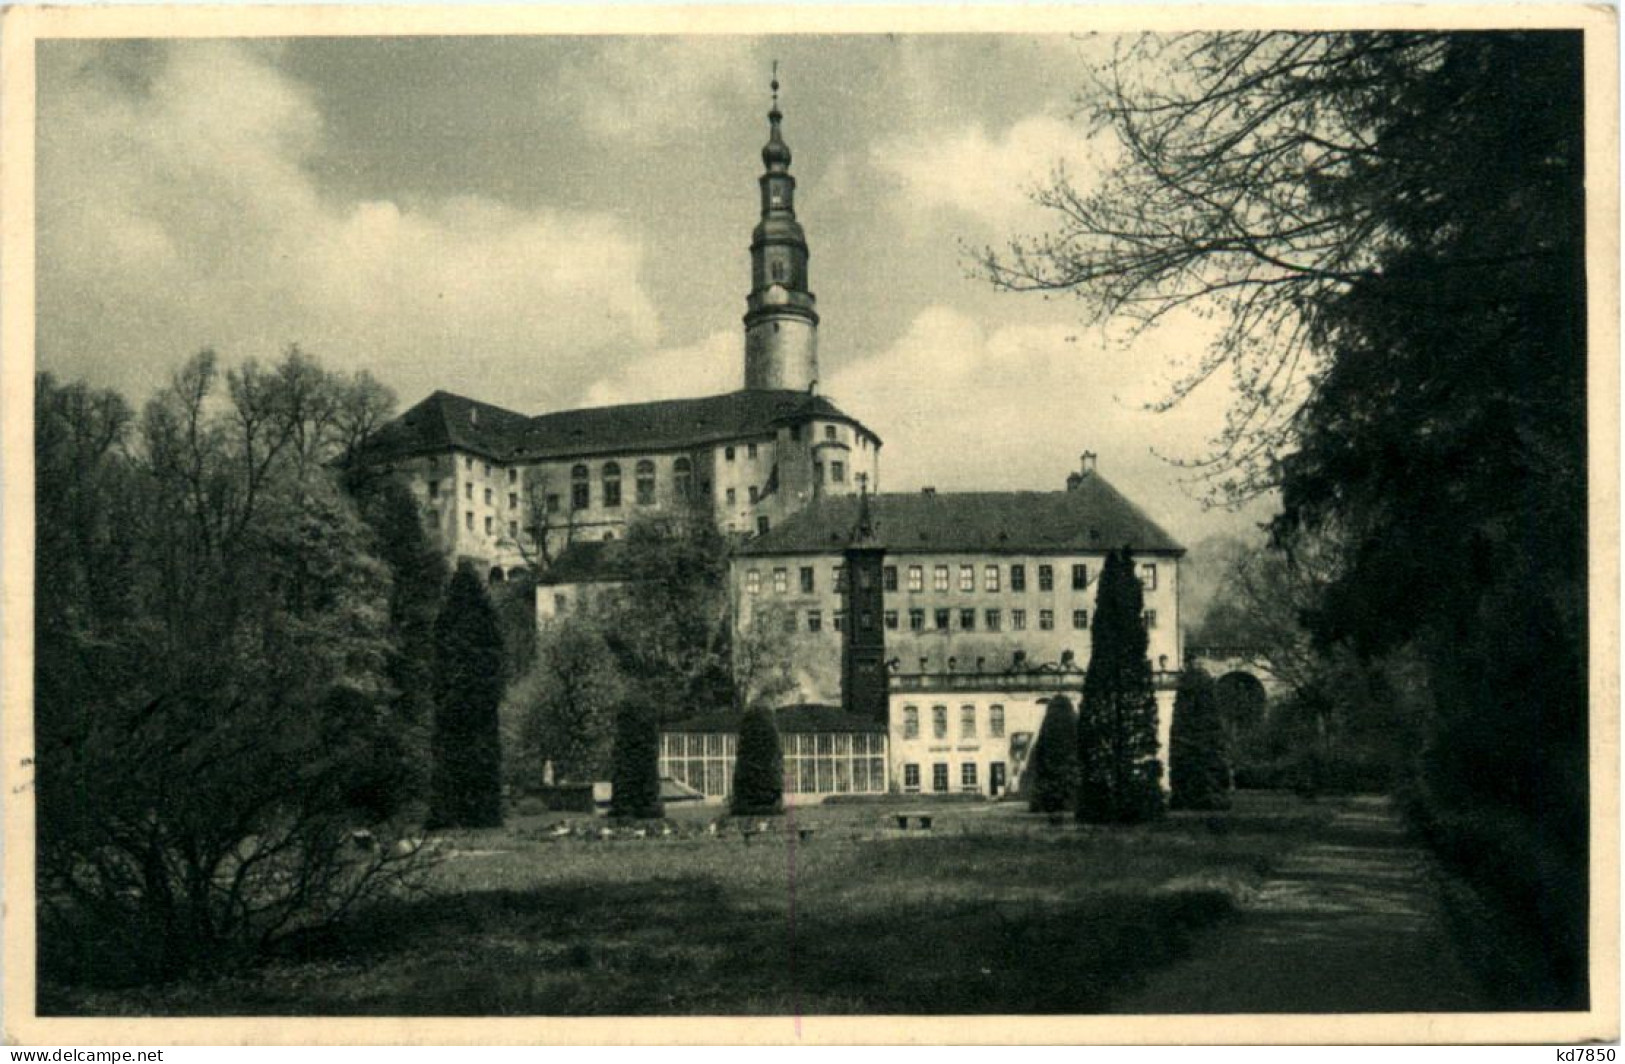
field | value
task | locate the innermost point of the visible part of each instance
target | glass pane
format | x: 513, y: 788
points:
x: 843, y: 744
x: 843, y: 776
x: 860, y: 775
x: 826, y: 743
x: 696, y: 774
x: 877, y: 773
x: 807, y: 776
x: 826, y: 775
x: 696, y: 746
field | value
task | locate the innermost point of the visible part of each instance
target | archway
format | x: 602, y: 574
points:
x: 1244, y: 708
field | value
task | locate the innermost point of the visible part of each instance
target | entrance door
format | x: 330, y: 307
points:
x: 995, y: 778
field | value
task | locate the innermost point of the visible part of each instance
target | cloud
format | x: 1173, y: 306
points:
x: 644, y: 91
x: 714, y: 365
x: 181, y: 214
x: 988, y: 177
x: 962, y: 408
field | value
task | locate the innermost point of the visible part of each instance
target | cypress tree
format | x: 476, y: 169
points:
x: 1055, y: 759
x: 466, y: 788
x: 635, y: 764
x: 1198, y: 769
x: 759, y: 767
x: 1120, y: 777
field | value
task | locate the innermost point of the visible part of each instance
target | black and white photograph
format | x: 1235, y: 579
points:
x: 1107, y: 525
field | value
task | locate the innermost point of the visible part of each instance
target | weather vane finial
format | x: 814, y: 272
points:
x: 775, y: 84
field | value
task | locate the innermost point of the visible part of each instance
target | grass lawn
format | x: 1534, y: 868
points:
x: 995, y: 911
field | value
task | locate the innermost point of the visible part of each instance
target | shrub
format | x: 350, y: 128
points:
x: 1197, y: 765
x: 635, y: 763
x: 758, y: 785
x: 1055, y: 759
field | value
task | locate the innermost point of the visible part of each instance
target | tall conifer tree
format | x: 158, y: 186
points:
x: 1198, y: 768
x: 635, y: 764
x: 467, y: 778
x: 1055, y: 759
x: 759, y: 768
x: 1120, y: 777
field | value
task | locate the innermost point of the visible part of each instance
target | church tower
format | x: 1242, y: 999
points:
x: 781, y: 319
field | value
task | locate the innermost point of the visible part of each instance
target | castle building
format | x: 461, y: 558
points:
x: 505, y: 489
x: 926, y: 631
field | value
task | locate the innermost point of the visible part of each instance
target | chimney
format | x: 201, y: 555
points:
x: 928, y: 491
x: 473, y: 415
x: 1088, y: 464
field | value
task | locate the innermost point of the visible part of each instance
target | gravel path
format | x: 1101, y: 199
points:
x: 1349, y: 923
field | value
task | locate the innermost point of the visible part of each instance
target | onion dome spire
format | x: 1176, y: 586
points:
x: 776, y: 154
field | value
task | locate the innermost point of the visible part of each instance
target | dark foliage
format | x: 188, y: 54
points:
x: 467, y: 783
x: 1119, y: 775
x: 635, y: 763
x: 1198, y: 765
x: 1055, y: 759
x: 758, y: 785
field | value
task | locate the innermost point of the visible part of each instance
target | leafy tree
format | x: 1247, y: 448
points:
x: 213, y: 705
x: 635, y: 771
x: 1055, y: 759
x: 1120, y: 777
x: 1391, y: 227
x: 563, y: 711
x: 1198, y: 769
x: 758, y: 786
x: 467, y: 783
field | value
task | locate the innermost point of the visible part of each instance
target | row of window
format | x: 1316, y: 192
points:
x: 432, y: 516
x: 468, y: 466
x: 967, y: 722
x: 992, y: 620
x: 969, y: 780
x: 609, y: 477
x: 468, y: 493
x: 992, y: 576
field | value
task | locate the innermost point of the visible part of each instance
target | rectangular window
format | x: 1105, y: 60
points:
x: 434, y: 489
x: 995, y: 721
x: 807, y: 579
x: 840, y: 578
x: 993, y: 620
x: 1150, y: 618
x: 488, y: 526
x: 488, y: 469
x: 753, y: 582
x: 967, y: 776
x: 818, y: 472
x: 967, y: 722
x: 1080, y: 619
x: 866, y: 578
x: 728, y: 453
x: 840, y: 620
x: 815, y: 621
x: 939, y: 722
x: 468, y: 464
x: 468, y: 520
x: 829, y: 432
x: 763, y: 525
x: 1046, y: 620
x: 1148, y: 577
x: 1018, y: 578
x: 488, y: 496
x: 1046, y: 578
x: 553, y: 503
x: 754, y: 494
x: 750, y: 450
x: 1018, y: 620
x: 513, y: 529
x: 967, y: 578
x: 732, y: 495
x: 578, y: 496
x: 513, y: 500
x: 911, y: 722
x: 468, y: 491
x: 891, y: 620
x: 990, y: 578
x: 916, y: 620
x: 939, y: 777
x: 837, y: 472
x: 866, y: 621
x: 790, y: 622
x: 911, y: 778
x: 942, y: 619
x: 916, y: 578
x: 888, y: 577
x: 513, y: 476
x: 967, y: 620
x: 1080, y: 577
x: 939, y: 578
x: 781, y: 581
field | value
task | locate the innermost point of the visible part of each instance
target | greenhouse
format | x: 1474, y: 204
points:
x: 825, y: 750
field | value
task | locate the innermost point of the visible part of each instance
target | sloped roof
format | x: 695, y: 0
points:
x: 444, y: 421
x: 803, y: 717
x: 1092, y: 517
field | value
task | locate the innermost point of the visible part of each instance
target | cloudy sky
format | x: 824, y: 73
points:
x: 548, y: 222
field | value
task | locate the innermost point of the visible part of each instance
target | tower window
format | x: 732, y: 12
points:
x: 646, y: 482
x: 580, y: 491
x: 837, y: 472
x: 754, y: 493
x: 778, y: 268
x: 829, y: 432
